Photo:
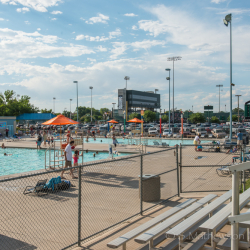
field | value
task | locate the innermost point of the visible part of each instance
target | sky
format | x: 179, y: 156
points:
x: 46, y: 45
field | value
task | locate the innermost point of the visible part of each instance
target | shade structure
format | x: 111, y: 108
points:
x: 136, y: 120
x: 112, y: 121
x: 60, y: 120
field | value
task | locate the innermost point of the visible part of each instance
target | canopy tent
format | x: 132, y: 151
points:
x: 112, y: 121
x: 60, y: 120
x: 136, y: 120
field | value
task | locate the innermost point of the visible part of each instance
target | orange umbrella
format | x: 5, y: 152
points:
x: 112, y: 121
x: 60, y: 120
x: 136, y: 120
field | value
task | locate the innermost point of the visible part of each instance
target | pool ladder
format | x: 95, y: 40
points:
x: 57, y: 160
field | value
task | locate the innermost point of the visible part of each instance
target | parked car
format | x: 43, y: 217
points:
x: 201, y: 131
x: 167, y: 132
x: 152, y: 131
x: 218, y: 133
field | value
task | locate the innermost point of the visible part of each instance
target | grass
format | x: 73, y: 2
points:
x: 247, y: 185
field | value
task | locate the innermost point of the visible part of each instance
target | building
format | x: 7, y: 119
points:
x: 33, y: 118
x: 130, y: 101
x: 8, y: 122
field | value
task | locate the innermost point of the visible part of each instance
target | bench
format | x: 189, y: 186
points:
x: 122, y: 240
x: 181, y: 228
x: 149, y: 235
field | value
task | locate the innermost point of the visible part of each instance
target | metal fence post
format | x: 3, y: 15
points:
x: 180, y: 169
x: 79, y: 204
x: 177, y: 167
x: 244, y: 160
x: 141, y: 185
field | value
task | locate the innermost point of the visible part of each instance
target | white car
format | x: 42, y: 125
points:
x: 152, y: 131
x: 167, y: 132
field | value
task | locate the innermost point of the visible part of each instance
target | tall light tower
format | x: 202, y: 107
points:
x: 126, y: 78
x: 168, y: 78
x: 228, y: 19
x: 219, y: 86
x: 54, y: 104
x: 91, y: 101
x: 70, y: 100
x: 113, y: 108
x: 76, y: 97
x: 174, y: 58
x: 238, y: 107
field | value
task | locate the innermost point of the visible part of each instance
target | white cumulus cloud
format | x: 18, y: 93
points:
x: 218, y: 1
x: 38, y: 5
x: 23, y: 10
x: 98, y: 19
x: 130, y: 14
x: 56, y: 12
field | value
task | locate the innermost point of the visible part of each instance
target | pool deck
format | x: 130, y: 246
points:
x: 110, y: 193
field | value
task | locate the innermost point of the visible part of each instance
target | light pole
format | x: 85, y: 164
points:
x: 174, y: 58
x: 76, y: 97
x: 225, y: 108
x: 238, y: 107
x: 220, y: 85
x: 91, y: 101
x: 113, y: 108
x: 70, y: 100
x: 192, y: 108
x: 124, y: 118
x: 54, y: 104
x: 156, y: 90
x: 168, y: 78
x: 126, y: 78
x: 18, y: 97
x: 228, y: 19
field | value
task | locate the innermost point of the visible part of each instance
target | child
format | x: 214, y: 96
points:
x: 75, y: 158
x: 52, y: 141
x: 48, y: 140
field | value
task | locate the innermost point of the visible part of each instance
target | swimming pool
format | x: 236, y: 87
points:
x: 24, y: 160
x: 137, y: 141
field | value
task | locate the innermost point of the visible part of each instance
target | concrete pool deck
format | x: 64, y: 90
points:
x: 109, y: 194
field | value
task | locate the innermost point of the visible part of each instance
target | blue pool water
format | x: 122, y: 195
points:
x: 24, y: 160
x: 136, y: 141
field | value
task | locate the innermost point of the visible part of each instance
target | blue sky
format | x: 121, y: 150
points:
x: 46, y: 45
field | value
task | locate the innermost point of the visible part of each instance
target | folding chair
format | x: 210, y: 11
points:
x: 39, y: 187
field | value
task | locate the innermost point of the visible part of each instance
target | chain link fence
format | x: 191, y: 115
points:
x: 205, y: 168
x: 41, y: 211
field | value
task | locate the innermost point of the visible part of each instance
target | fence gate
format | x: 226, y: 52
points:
x: 206, y: 170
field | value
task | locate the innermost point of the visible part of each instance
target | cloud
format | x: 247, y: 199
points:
x: 98, y: 19
x: 82, y: 18
x: 37, y: 5
x: 102, y: 49
x: 19, y: 44
x: 91, y: 60
x: 2, y: 19
x: 38, y: 29
x: 225, y: 11
x: 53, y: 19
x: 130, y: 14
x: 218, y: 1
x: 112, y: 34
x: 23, y: 10
x: 27, y: 22
x: 134, y: 27
x: 56, y: 12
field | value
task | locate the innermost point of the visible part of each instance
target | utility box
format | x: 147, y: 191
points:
x: 151, y: 187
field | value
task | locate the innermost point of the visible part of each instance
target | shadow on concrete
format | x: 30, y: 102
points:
x: 8, y: 243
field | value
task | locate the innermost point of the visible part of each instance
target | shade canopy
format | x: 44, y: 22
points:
x: 136, y: 120
x: 60, y: 120
x: 112, y: 121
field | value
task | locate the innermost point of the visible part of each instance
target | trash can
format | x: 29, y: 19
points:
x: 151, y: 187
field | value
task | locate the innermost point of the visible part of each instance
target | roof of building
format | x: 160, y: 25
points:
x: 35, y: 116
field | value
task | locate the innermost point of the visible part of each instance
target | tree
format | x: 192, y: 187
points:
x: 234, y: 118
x: 215, y: 119
x: 134, y: 115
x: 164, y: 118
x: 149, y: 116
x: 11, y: 106
x: 66, y: 113
x: 235, y: 110
x: 46, y: 110
x: 103, y: 110
x: 197, y: 118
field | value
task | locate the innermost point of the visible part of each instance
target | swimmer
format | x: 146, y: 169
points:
x: 97, y: 152
x: 7, y: 154
x: 94, y: 155
x: 87, y: 150
x: 3, y: 146
x: 101, y: 140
